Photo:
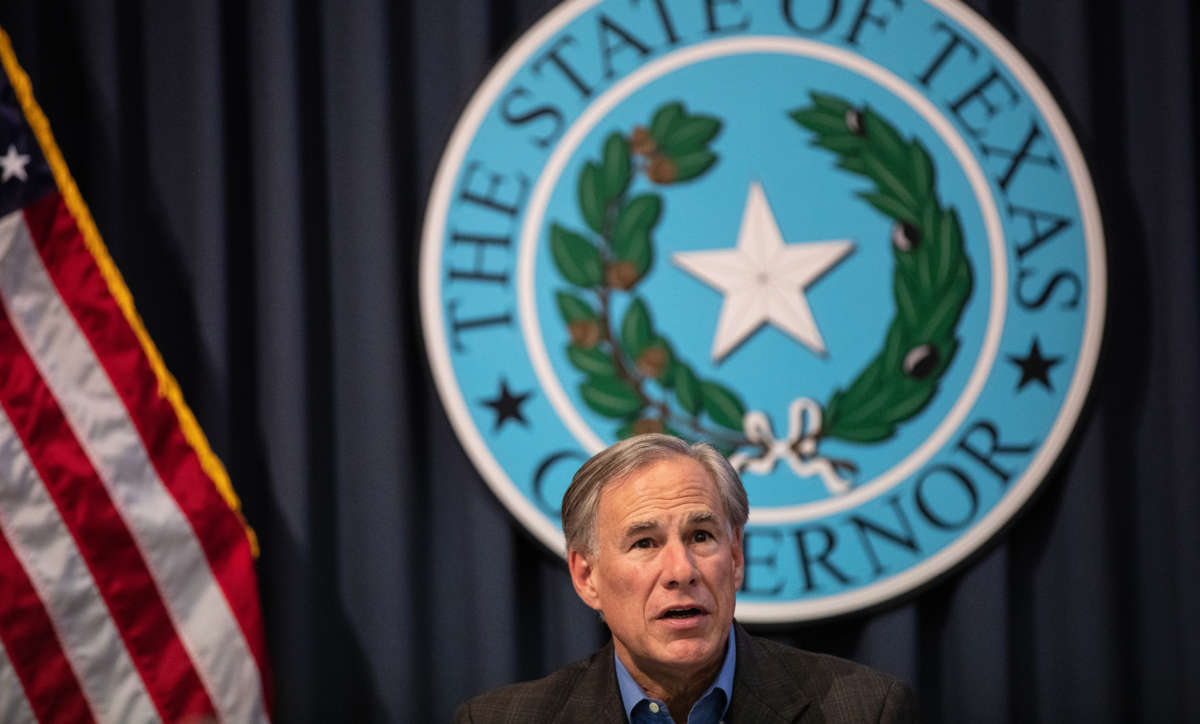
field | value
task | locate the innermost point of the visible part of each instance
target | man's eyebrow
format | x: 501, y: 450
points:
x: 701, y: 516
x: 641, y: 526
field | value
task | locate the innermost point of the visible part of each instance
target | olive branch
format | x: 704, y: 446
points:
x: 610, y: 259
x: 931, y: 280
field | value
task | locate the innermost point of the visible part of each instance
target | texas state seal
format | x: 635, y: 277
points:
x: 851, y: 243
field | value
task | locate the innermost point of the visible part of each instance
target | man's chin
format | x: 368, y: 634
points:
x: 692, y: 651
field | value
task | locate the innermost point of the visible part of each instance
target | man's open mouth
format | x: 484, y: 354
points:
x: 682, y: 612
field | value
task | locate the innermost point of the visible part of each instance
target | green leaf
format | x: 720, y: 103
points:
x: 820, y: 121
x: 722, y: 405
x: 841, y: 143
x: 949, y: 242
x: 893, y: 350
x: 691, y: 165
x: 591, y: 197
x: 617, y: 168
x: 667, y: 378
x: 687, y: 389
x: 591, y: 361
x: 882, y: 135
x: 945, y: 313
x: 829, y: 103
x: 889, y: 206
x: 640, y: 212
x: 907, y: 262
x: 853, y: 164
x: 864, y: 386
x: 927, y: 250
x: 691, y: 134
x: 829, y: 415
x: 636, y: 248
x: 913, y: 399
x: 922, y: 170
x: 611, y: 397
x: 862, y: 432
x: 636, y: 329
x: 870, y: 407
x: 572, y: 308
x: 890, y: 183
x: 664, y: 119
x: 577, y: 259
x: 908, y: 305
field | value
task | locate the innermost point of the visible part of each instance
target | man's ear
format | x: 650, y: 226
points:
x: 739, y: 559
x: 582, y: 570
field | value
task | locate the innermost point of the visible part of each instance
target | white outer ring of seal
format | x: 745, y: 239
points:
x: 931, y: 568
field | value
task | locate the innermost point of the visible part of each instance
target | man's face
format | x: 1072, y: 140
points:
x: 665, y: 570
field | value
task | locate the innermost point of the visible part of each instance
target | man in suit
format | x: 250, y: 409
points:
x: 654, y: 544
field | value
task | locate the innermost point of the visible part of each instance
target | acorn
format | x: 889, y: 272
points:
x: 642, y: 142
x: 661, y: 170
x: 652, y: 361
x: 647, y: 425
x: 621, y: 275
x: 921, y: 361
x: 854, y: 122
x: 905, y: 236
x: 584, y: 333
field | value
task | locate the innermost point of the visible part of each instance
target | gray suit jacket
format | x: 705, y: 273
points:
x: 772, y: 684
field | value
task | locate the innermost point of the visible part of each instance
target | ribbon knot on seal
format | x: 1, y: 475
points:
x: 798, y: 449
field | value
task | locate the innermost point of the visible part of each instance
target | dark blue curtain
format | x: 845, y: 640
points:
x: 259, y: 172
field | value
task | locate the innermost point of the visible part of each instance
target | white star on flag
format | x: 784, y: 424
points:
x: 763, y: 278
x: 13, y: 164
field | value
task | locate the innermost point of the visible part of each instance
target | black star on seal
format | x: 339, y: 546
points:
x: 1034, y: 366
x: 507, y: 405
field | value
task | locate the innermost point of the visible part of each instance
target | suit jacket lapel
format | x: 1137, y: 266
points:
x: 595, y: 697
x: 762, y: 692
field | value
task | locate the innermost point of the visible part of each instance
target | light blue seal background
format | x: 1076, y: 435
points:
x: 811, y: 200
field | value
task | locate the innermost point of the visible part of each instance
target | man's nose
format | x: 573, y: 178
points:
x: 679, y: 566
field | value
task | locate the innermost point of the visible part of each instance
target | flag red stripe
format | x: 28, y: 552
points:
x: 100, y: 534
x: 33, y: 647
x: 218, y: 529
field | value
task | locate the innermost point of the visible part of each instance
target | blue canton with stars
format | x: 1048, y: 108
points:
x: 20, y: 156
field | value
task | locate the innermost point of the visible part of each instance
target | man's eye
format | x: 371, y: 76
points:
x: 703, y: 536
x: 643, y: 543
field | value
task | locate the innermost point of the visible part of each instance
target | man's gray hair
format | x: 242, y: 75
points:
x: 582, y: 499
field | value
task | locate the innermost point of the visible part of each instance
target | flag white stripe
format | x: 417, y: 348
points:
x: 93, y: 408
x: 14, y: 706
x: 33, y: 526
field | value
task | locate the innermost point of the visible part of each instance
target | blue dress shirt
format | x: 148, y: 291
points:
x: 708, y: 709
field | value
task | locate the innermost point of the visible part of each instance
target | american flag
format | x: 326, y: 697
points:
x: 127, y: 585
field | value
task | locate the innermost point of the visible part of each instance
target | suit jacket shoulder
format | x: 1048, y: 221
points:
x: 772, y: 684
x: 778, y: 683
x: 585, y: 690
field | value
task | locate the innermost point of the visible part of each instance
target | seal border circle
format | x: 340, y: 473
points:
x: 893, y: 587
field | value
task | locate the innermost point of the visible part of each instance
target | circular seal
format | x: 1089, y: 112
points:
x: 854, y: 245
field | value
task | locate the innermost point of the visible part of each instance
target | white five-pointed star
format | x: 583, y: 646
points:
x: 763, y: 279
x: 13, y: 164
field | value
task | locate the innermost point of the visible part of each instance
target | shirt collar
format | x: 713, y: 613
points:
x: 632, y: 694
